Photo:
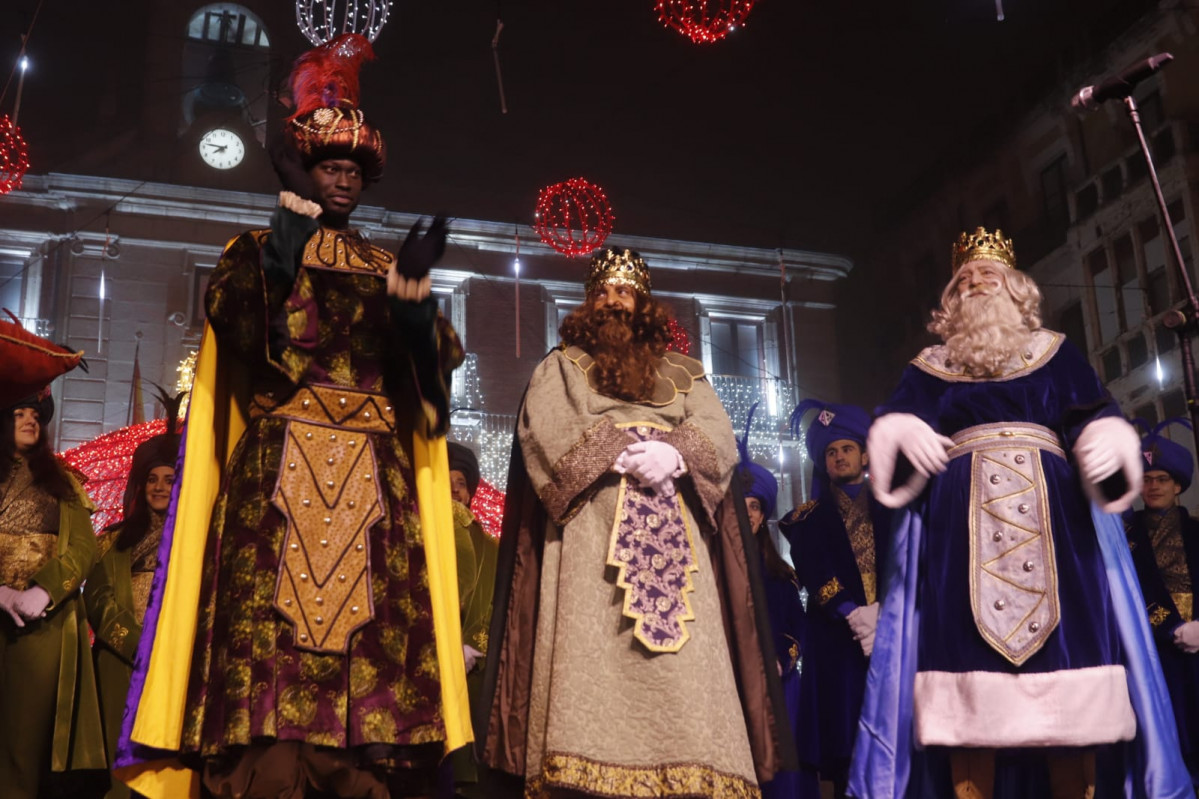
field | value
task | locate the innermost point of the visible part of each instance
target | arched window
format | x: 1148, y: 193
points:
x: 227, y: 23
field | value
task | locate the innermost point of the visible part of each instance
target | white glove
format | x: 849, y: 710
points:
x: 471, y: 655
x: 1106, y: 446
x: 32, y: 602
x: 862, y: 620
x: 8, y: 603
x: 867, y: 644
x: 653, y: 463
x: 1186, y: 637
x: 893, y: 433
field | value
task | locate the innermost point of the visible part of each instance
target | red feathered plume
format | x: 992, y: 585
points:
x: 327, y: 76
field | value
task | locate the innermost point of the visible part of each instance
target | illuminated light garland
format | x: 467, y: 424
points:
x: 680, y: 340
x: 322, y: 20
x: 14, y: 156
x: 704, y: 21
x: 183, y: 383
x: 574, y: 217
x: 106, y: 462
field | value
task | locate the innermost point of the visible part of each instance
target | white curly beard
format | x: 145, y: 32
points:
x: 988, y: 334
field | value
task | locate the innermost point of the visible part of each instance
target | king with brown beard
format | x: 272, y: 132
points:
x: 1011, y: 619
x: 629, y: 620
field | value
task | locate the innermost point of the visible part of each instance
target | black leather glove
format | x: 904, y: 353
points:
x: 419, y: 253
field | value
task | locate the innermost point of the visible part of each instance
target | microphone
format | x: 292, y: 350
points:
x: 1118, y: 86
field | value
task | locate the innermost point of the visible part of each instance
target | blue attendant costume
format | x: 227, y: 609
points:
x: 785, y: 610
x: 1007, y: 623
x: 838, y: 544
x: 1165, y: 549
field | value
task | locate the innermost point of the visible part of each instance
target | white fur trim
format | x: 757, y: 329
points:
x: 1072, y: 707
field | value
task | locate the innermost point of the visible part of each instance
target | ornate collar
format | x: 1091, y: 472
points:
x: 675, y: 374
x: 1043, y: 346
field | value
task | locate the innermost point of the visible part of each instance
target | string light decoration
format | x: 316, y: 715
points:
x: 680, y: 341
x: 186, y: 371
x: 704, y: 21
x: 14, y: 156
x: 574, y: 217
x: 488, y: 507
x: 322, y: 20
x: 106, y: 462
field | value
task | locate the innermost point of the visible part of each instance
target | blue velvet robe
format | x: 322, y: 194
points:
x: 1180, y: 669
x: 926, y: 621
x: 1063, y: 395
x: 834, y: 668
x: 787, y: 626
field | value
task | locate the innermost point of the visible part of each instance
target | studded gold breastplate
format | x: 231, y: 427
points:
x: 329, y: 492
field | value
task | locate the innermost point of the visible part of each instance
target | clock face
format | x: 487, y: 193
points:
x: 222, y: 149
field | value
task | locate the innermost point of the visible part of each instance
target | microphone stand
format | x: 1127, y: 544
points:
x: 1181, y: 321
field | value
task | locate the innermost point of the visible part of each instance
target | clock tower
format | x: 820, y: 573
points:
x: 223, y: 115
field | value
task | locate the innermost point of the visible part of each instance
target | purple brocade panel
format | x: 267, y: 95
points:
x: 651, y: 548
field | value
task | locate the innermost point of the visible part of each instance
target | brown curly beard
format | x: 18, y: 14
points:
x: 626, y: 346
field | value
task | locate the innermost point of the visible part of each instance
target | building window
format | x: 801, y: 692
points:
x: 1113, y: 183
x: 1148, y: 412
x: 1106, y: 300
x: 11, y: 284
x: 1086, y: 200
x: 1138, y: 351
x: 1072, y: 325
x: 1174, y: 404
x: 1111, y: 365
x: 1053, y: 191
x: 1153, y: 251
x: 227, y: 23
x: 1132, y: 297
x: 736, y: 347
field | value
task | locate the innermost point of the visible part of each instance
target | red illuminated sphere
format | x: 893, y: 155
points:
x: 574, y: 217
x: 680, y: 341
x: 704, y: 21
x: 14, y: 156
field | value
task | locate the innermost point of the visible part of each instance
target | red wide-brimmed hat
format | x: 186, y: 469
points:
x: 27, y: 362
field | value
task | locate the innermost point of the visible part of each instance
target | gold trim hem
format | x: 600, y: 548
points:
x: 562, y: 771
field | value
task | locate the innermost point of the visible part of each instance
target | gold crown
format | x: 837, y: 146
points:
x: 611, y: 267
x: 983, y: 246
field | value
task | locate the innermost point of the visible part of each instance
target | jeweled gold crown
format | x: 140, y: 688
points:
x: 611, y: 267
x: 981, y: 245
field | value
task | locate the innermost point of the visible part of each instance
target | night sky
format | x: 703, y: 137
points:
x: 795, y: 131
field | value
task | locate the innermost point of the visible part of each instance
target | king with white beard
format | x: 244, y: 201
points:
x: 1011, y: 620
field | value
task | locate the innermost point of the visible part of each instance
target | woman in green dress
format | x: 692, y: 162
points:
x: 49, y: 715
x: 118, y: 588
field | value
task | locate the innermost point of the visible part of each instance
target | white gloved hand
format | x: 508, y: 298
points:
x: 1186, y: 637
x: 653, y: 463
x: 32, y: 603
x: 8, y: 603
x: 893, y: 433
x: 867, y: 644
x: 471, y: 655
x: 1106, y: 446
x: 862, y: 620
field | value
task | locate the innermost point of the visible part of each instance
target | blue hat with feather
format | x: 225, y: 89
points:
x: 1162, y: 454
x: 832, y: 422
x: 756, y: 481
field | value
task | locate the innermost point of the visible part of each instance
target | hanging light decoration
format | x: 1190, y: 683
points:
x: 680, y: 341
x: 106, y: 462
x: 322, y: 20
x: 704, y: 21
x: 488, y: 507
x: 574, y: 217
x: 14, y: 156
